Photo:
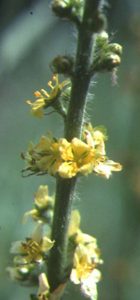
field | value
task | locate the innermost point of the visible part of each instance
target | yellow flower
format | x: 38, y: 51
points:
x: 86, y: 259
x: 46, y: 99
x: 84, y: 156
x: 44, y: 157
x: 33, y: 249
x: 49, y: 155
x: 84, y: 263
x: 96, y: 137
x: 78, y: 158
x: 42, y: 198
x: 43, y: 206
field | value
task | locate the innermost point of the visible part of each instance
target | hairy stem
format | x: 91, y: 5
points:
x: 63, y: 203
x: 74, y: 122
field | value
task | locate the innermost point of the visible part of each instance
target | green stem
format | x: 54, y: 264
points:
x: 63, y: 203
x: 74, y: 122
x: 81, y: 77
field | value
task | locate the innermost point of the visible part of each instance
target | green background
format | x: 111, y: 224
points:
x: 30, y: 37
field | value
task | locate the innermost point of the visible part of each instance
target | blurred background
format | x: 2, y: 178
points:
x: 30, y: 37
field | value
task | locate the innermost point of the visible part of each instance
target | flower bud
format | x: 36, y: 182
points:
x: 61, y: 8
x: 115, y: 48
x: 20, y: 273
x: 111, y: 61
x: 62, y: 64
x: 101, y: 39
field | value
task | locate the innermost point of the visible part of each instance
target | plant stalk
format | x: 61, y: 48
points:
x: 65, y: 188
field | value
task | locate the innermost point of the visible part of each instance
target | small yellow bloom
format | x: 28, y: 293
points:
x: 44, y: 157
x: 78, y: 158
x: 95, y: 138
x: 33, y: 249
x: 43, y: 205
x: 42, y: 198
x: 86, y: 258
x: 85, y: 262
x: 82, y: 153
x: 46, y: 99
x: 49, y: 155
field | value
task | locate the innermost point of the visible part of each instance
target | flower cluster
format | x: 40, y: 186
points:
x: 107, y: 55
x: 46, y: 99
x: 31, y: 254
x: 86, y: 259
x: 68, y: 159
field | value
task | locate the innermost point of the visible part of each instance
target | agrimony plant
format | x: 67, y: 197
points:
x: 58, y: 251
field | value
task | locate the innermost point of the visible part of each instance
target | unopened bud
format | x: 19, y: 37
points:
x: 61, y: 8
x: 20, y: 273
x: 62, y: 64
x: 115, y: 59
x: 111, y: 61
x: 115, y: 48
x: 101, y: 39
